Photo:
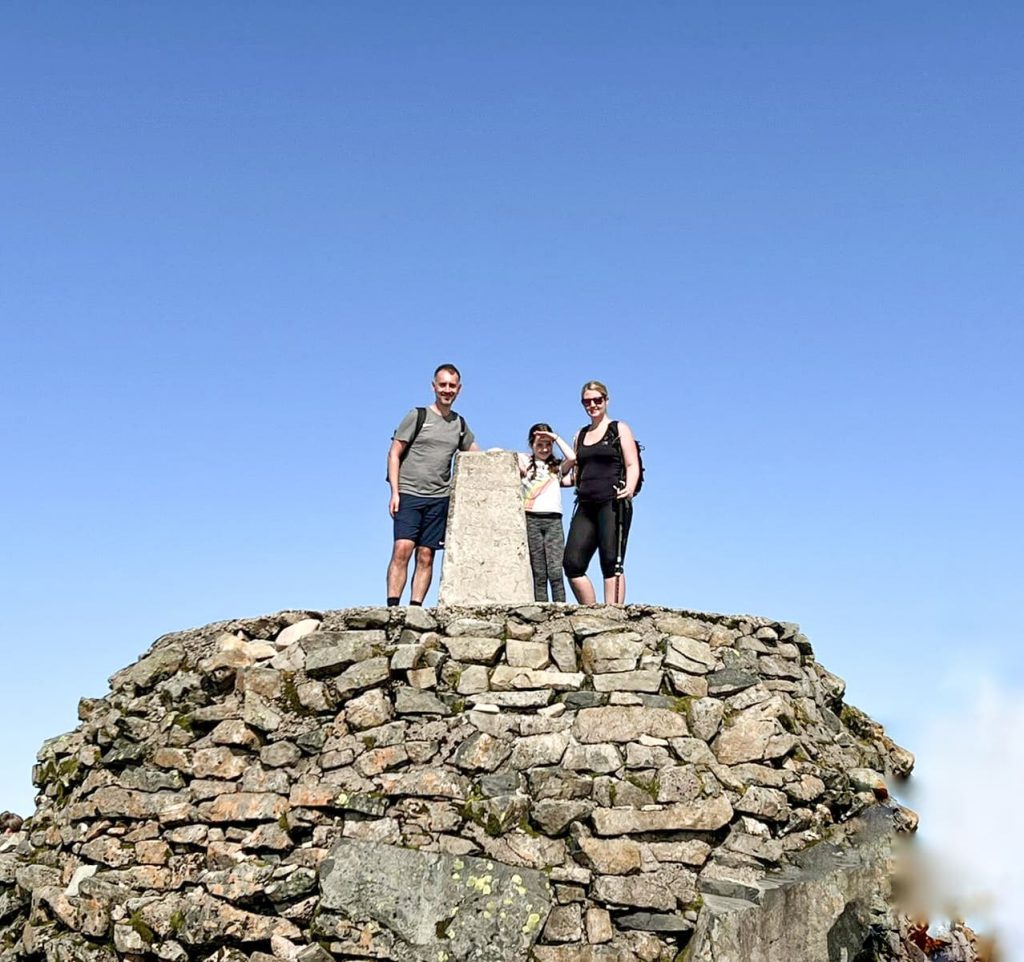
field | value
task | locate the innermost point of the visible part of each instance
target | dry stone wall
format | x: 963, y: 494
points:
x: 539, y: 782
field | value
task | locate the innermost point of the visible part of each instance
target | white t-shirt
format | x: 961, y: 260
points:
x: 542, y: 494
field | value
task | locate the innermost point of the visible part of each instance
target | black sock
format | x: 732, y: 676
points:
x: 419, y: 604
x: 392, y: 601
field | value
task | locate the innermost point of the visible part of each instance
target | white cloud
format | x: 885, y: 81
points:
x: 966, y: 787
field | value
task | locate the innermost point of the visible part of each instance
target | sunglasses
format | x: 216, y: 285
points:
x: 592, y: 401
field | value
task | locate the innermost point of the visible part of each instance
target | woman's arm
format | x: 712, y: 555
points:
x: 630, y: 458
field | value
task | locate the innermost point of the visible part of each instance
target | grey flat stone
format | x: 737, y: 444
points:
x: 627, y: 724
x: 611, y: 652
x: 482, y: 752
x: 563, y: 652
x: 414, y: 701
x: 365, y: 674
x: 692, y: 651
x: 602, y: 758
x: 705, y: 815
x: 512, y: 699
x: 363, y: 618
x: 146, y: 672
x: 505, y: 678
x: 482, y: 651
x: 437, y: 905
x: 527, y: 654
x: 629, y: 681
x: 419, y: 618
x: 328, y: 653
x: 654, y: 922
x: 728, y: 681
x: 575, y: 700
x: 535, y: 750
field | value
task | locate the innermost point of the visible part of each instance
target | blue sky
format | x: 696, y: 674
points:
x: 237, y: 238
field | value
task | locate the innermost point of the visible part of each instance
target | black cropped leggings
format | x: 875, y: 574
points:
x: 594, y: 528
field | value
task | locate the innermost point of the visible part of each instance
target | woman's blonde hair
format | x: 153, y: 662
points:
x: 594, y: 386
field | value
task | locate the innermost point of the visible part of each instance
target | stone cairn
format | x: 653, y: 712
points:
x: 540, y: 782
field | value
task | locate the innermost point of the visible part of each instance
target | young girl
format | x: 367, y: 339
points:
x: 543, y: 478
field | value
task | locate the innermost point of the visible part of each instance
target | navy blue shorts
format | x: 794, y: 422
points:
x: 421, y: 520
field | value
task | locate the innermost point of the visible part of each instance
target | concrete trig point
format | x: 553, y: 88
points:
x: 486, y: 559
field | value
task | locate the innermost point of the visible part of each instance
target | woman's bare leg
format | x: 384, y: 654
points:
x: 615, y: 590
x: 584, y: 590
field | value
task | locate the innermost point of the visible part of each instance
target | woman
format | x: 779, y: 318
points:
x: 543, y: 476
x: 607, y: 471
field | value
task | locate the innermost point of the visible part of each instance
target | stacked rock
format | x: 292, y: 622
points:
x: 501, y: 783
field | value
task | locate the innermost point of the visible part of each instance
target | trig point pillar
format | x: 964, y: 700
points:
x: 486, y: 560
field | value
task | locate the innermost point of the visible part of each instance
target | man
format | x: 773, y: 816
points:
x: 420, y: 473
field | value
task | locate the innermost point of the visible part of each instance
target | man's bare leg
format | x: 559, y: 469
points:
x: 615, y: 590
x: 398, y: 568
x: 583, y: 590
x: 423, y: 573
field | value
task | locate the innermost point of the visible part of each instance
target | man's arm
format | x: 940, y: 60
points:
x: 400, y: 440
x: 394, y: 462
x: 471, y: 438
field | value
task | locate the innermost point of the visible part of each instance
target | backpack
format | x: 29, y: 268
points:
x: 421, y: 417
x: 613, y: 434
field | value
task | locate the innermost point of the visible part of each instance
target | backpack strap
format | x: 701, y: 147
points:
x: 614, y: 438
x: 421, y: 417
x: 577, y: 467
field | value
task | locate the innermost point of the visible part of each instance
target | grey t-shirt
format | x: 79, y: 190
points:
x: 427, y: 468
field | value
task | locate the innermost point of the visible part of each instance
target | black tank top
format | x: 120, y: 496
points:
x: 600, y: 468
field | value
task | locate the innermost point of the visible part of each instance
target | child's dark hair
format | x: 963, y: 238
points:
x: 552, y: 462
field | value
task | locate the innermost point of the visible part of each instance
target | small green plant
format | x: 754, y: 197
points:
x: 184, y: 722
x: 290, y: 696
x: 526, y: 827
x: 648, y: 785
x: 141, y: 929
